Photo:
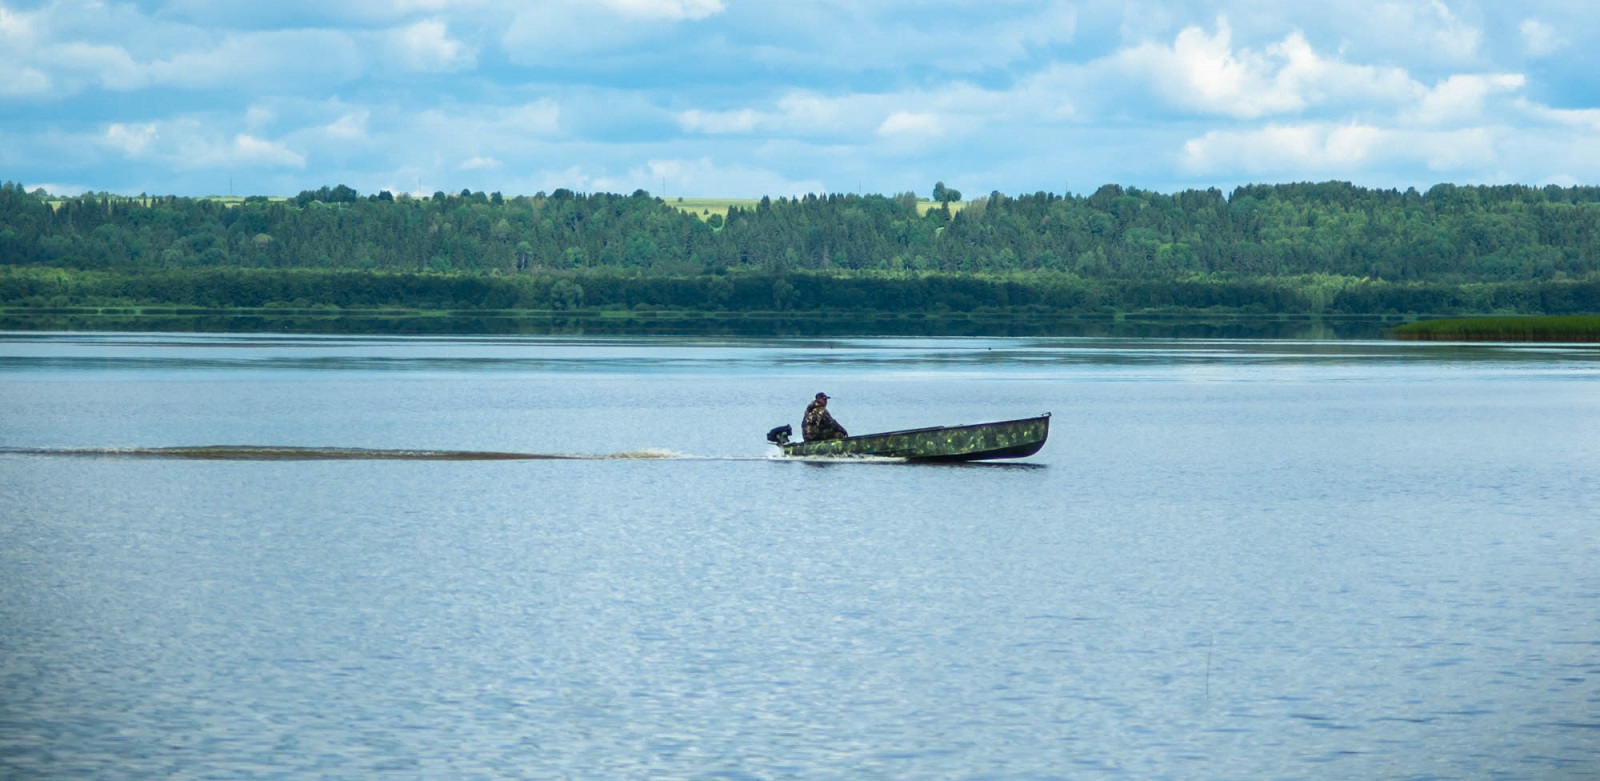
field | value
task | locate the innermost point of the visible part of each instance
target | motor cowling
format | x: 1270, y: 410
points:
x: 780, y: 435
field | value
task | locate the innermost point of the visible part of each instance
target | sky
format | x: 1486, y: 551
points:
x: 752, y: 98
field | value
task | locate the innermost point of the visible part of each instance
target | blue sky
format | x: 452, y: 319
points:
x: 744, y: 98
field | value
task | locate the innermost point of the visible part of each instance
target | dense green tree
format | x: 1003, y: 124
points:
x: 1326, y: 247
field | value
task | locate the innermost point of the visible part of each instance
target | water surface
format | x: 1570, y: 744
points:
x: 273, y: 557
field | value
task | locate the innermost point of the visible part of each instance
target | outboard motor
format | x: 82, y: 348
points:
x: 780, y: 435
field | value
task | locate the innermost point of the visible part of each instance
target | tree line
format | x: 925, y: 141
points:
x: 1318, y: 247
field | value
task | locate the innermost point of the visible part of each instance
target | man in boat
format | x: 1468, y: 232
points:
x: 818, y: 424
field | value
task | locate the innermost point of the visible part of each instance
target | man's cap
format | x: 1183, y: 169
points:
x: 822, y: 395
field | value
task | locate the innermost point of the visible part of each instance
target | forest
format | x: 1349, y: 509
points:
x: 1328, y: 247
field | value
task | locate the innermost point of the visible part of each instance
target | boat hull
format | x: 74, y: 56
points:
x: 977, y: 442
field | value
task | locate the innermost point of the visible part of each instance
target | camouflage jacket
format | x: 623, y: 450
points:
x: 818, y: 424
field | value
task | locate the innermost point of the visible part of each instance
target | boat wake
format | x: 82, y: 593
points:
x: 291, y: 453
x: 297, y: 453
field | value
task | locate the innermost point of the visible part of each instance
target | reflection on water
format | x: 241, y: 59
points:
x: 732, y: 324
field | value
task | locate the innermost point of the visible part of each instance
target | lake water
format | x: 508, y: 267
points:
x: 1233, y: 559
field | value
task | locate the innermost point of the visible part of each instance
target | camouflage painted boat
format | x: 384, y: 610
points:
x: 977, y: 442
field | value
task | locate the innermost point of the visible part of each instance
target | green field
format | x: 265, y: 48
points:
x: 705, y: 207
x: 700, y: 207
x: 1570, y: 328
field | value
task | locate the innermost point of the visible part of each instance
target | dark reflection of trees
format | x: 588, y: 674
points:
x: 693, y: 324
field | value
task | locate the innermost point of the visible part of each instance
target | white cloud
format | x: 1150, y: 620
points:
x: 1411, y: 31
x: 412, y: 6
x: 444, y: 141
x: 257, y: 116
x: 27, y: 81
x: 1461, y: 98
x: 554, y: 32
x: 478, y: 164
x: 1452, y: 34
x: 1582, y: 119
x: 102, y: 65
x: 807, y: 114
x: 72, y: 45
x: 1438, y: 27
x: 233, y: 62
x: 351, y: 126
x: 768, y: 97
x: 15, y: 26
x: 1540, y: 38
x: 17, y: 45
x: 911, y: 124
x: 714, y: 122
x: 796, y: 114
x: 1206, y: 73
x: 133, y: 140
x: 816, y: 112
x: 248, y: 149
x: 835, y: 37
x: 190, y: 144
x: 541, y: 117
x: 1286, y: 152
x: 308, y: 57
x: 1305, y: 147
x: 1455, y: 150
x: 674, y: 10
x: 427, y: 46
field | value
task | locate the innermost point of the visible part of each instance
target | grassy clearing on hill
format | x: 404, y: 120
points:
x: 705, y: 207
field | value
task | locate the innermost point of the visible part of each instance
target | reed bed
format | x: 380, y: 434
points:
x: 1555, y: 328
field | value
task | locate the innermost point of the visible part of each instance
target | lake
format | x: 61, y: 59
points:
x: 1233, y: 559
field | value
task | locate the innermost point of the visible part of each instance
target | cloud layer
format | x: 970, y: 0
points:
x: 746, y: 98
